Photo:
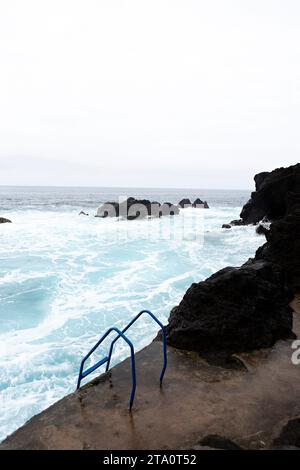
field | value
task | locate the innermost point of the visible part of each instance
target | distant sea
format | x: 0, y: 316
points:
x: 65, y: 278
x: 13, y: 198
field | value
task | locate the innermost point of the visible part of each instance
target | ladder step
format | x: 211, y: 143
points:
x: 95, y: 366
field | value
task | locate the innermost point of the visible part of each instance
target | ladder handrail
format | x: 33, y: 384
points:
x: 120, y: 334
x: 163, y: 335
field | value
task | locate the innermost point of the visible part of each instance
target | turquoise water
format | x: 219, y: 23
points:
x: 64, y: 279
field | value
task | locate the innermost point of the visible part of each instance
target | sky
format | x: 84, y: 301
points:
x: 160, y: 93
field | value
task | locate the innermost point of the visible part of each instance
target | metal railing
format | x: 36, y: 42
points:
x: 107, y: 359
x: 82, y: 374
x: 128, y: 326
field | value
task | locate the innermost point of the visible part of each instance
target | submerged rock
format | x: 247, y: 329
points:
x: 234, y: 310
x: 270, y: 197
x: 3, y: 220
x: 233, y: 223
x: 237, y: 222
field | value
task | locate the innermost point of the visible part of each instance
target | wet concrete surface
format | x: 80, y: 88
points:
x: 249, y: 405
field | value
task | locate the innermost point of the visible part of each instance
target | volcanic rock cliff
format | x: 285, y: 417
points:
x: 271, y: 198
x: 283, y: 242
x: 240, y: 309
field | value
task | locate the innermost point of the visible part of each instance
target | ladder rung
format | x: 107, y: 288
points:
x: 95, y: 366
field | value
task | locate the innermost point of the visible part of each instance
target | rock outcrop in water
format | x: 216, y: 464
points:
x: 185, y: 203
x: 236, y: 222
x: 168, y: 208
x: 132, y: 209
x: 270, y: 198
x: 3, y: 220
x: 246, y: 308
x: 236, y: 309
x: 198, y: 203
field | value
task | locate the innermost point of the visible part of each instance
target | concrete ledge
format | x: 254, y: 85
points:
x: 248, y: 405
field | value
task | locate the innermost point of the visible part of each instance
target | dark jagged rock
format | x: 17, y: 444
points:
x: 199, y: 203
x: 240, y: 309
x: 132, y: 209
x: 236, y: 309
x: 290, y: 434
x: 136, y: 208
x: 185, y: 203
x: 237, y: 222
x: 270, y: 197
x: 167, y: 208
x: 233, y: 223
x: 283, y: 242
x: 108, y: 209
x: 218, y: 442
x: 262, y: 229
x: 3, y: 220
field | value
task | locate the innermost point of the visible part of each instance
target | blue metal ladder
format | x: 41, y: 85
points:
x: 107, y: 359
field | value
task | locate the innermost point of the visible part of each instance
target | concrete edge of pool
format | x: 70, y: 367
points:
x: 248, y: 405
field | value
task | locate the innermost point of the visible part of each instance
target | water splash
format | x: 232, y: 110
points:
x: 64, y: 280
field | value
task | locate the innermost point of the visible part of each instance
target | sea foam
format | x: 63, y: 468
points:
x: 65, y: 279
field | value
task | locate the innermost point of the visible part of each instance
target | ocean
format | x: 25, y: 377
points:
x: 65, y: 278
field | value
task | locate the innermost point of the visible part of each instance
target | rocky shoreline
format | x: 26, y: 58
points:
x: 231, y: 383
x: 246, y: 308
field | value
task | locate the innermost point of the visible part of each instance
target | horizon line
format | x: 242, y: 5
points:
x: 120, y: 187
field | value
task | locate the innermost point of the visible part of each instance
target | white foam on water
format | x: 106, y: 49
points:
x: 65, y: 279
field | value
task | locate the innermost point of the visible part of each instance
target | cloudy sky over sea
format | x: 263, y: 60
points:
x: 164, y: 93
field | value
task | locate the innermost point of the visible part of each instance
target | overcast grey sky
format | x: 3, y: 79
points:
x: 189, y: 93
